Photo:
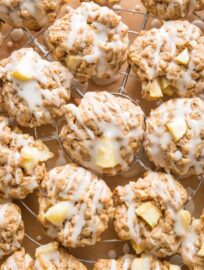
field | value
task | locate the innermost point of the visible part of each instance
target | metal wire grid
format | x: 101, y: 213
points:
x: 34, y: 42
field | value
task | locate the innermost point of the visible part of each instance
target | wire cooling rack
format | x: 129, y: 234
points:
x: 140, y: 163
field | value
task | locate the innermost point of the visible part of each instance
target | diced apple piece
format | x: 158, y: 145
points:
x: 137, y: 247
x: 182, y: 222
x: 45, y: 249
x: 154, y: 89
x: 141, y: 264
x: 31, y: 156
x: 150, y: 213
x: 72, y: 62
x: 177, y: 127
x: 23, y: 71
x: 183, y: 58
x: 107, y: 154
x: 201, y: 251
x: 164, y: 83
x: 174, y: 267
x: 57, y: 213
x: 170, y: 90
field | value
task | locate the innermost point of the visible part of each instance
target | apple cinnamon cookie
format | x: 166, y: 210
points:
x: 192, y: 248
x: 91, y: 40
x: 169, y: 60
x: 33, y: 89
x: 75, y: 206
x: 104, y: 132
x: 150, y: 213
x: 31, y: 14
x: 11, y: 227
x: 18, y: 261
x: 22, y: 159
x: 130, y: 262
x: 172, y: 9
x: 51, y: 256
x: 174, y: 138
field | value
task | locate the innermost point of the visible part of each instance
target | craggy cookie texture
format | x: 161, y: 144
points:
x: 22, y: 159
x: 108, y: 3
x: 174, y: 138
x: 130, y: 262
x: 18, y: 261
x: 192, y: 249
x: 33, y: 89
x: 75, y: 206
x: 11, y: 227
x: 92, y: 40
x: 104, y: 132
x: 51, y: 256
x: 149, y: 213
x: 173, y: 9
x: 169, y: 60
x: 32, y: 14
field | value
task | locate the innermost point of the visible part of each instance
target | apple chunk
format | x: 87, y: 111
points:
x: 137, y: 247
x: 23, y: 70
x: 154, y: 89
x: 45, y: 249
x: 58, y: 213
x: 141, y: 264
x: 177, y: 128
x: 183, y: 58
x: 72, y: 62
x: 149, y: 213
x: 107, y: 153
x: 183, y: 221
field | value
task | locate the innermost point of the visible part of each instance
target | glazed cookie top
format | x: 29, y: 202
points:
x: 33, y: 89
x: 130, y: 262
x: 22, y: 162
x: 104, y: 132
x: 33, y: 14
x: 11, y: 227
x: 51, y: 256
x: 171, y: 9
x: 192, y: 248
x: 169, y: 60
x: 149, y: 212
x: 174, y: 136
x: 18, y: 261
x: 92, y: 40
x: 75, y: 206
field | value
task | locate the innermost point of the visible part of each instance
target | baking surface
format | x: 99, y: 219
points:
x: 109, y: 246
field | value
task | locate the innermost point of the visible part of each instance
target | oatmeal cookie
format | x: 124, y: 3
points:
x: 130, y: 262
x: 192, y: 248
x: 75, y: 206
x: 22, y: 159
x: 104, y: 132
x: 91, y: 40
x: 31, y: 14
x: 169, y: 60
x: 174, y: 138
x: 173, y: 9
x: 18, y: 261
x: 33, y: 89
x: 51, y: 256
x: 11, y: 227
x: 150, y: 213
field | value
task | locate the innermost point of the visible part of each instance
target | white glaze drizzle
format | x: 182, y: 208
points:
x: 108, y: 129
